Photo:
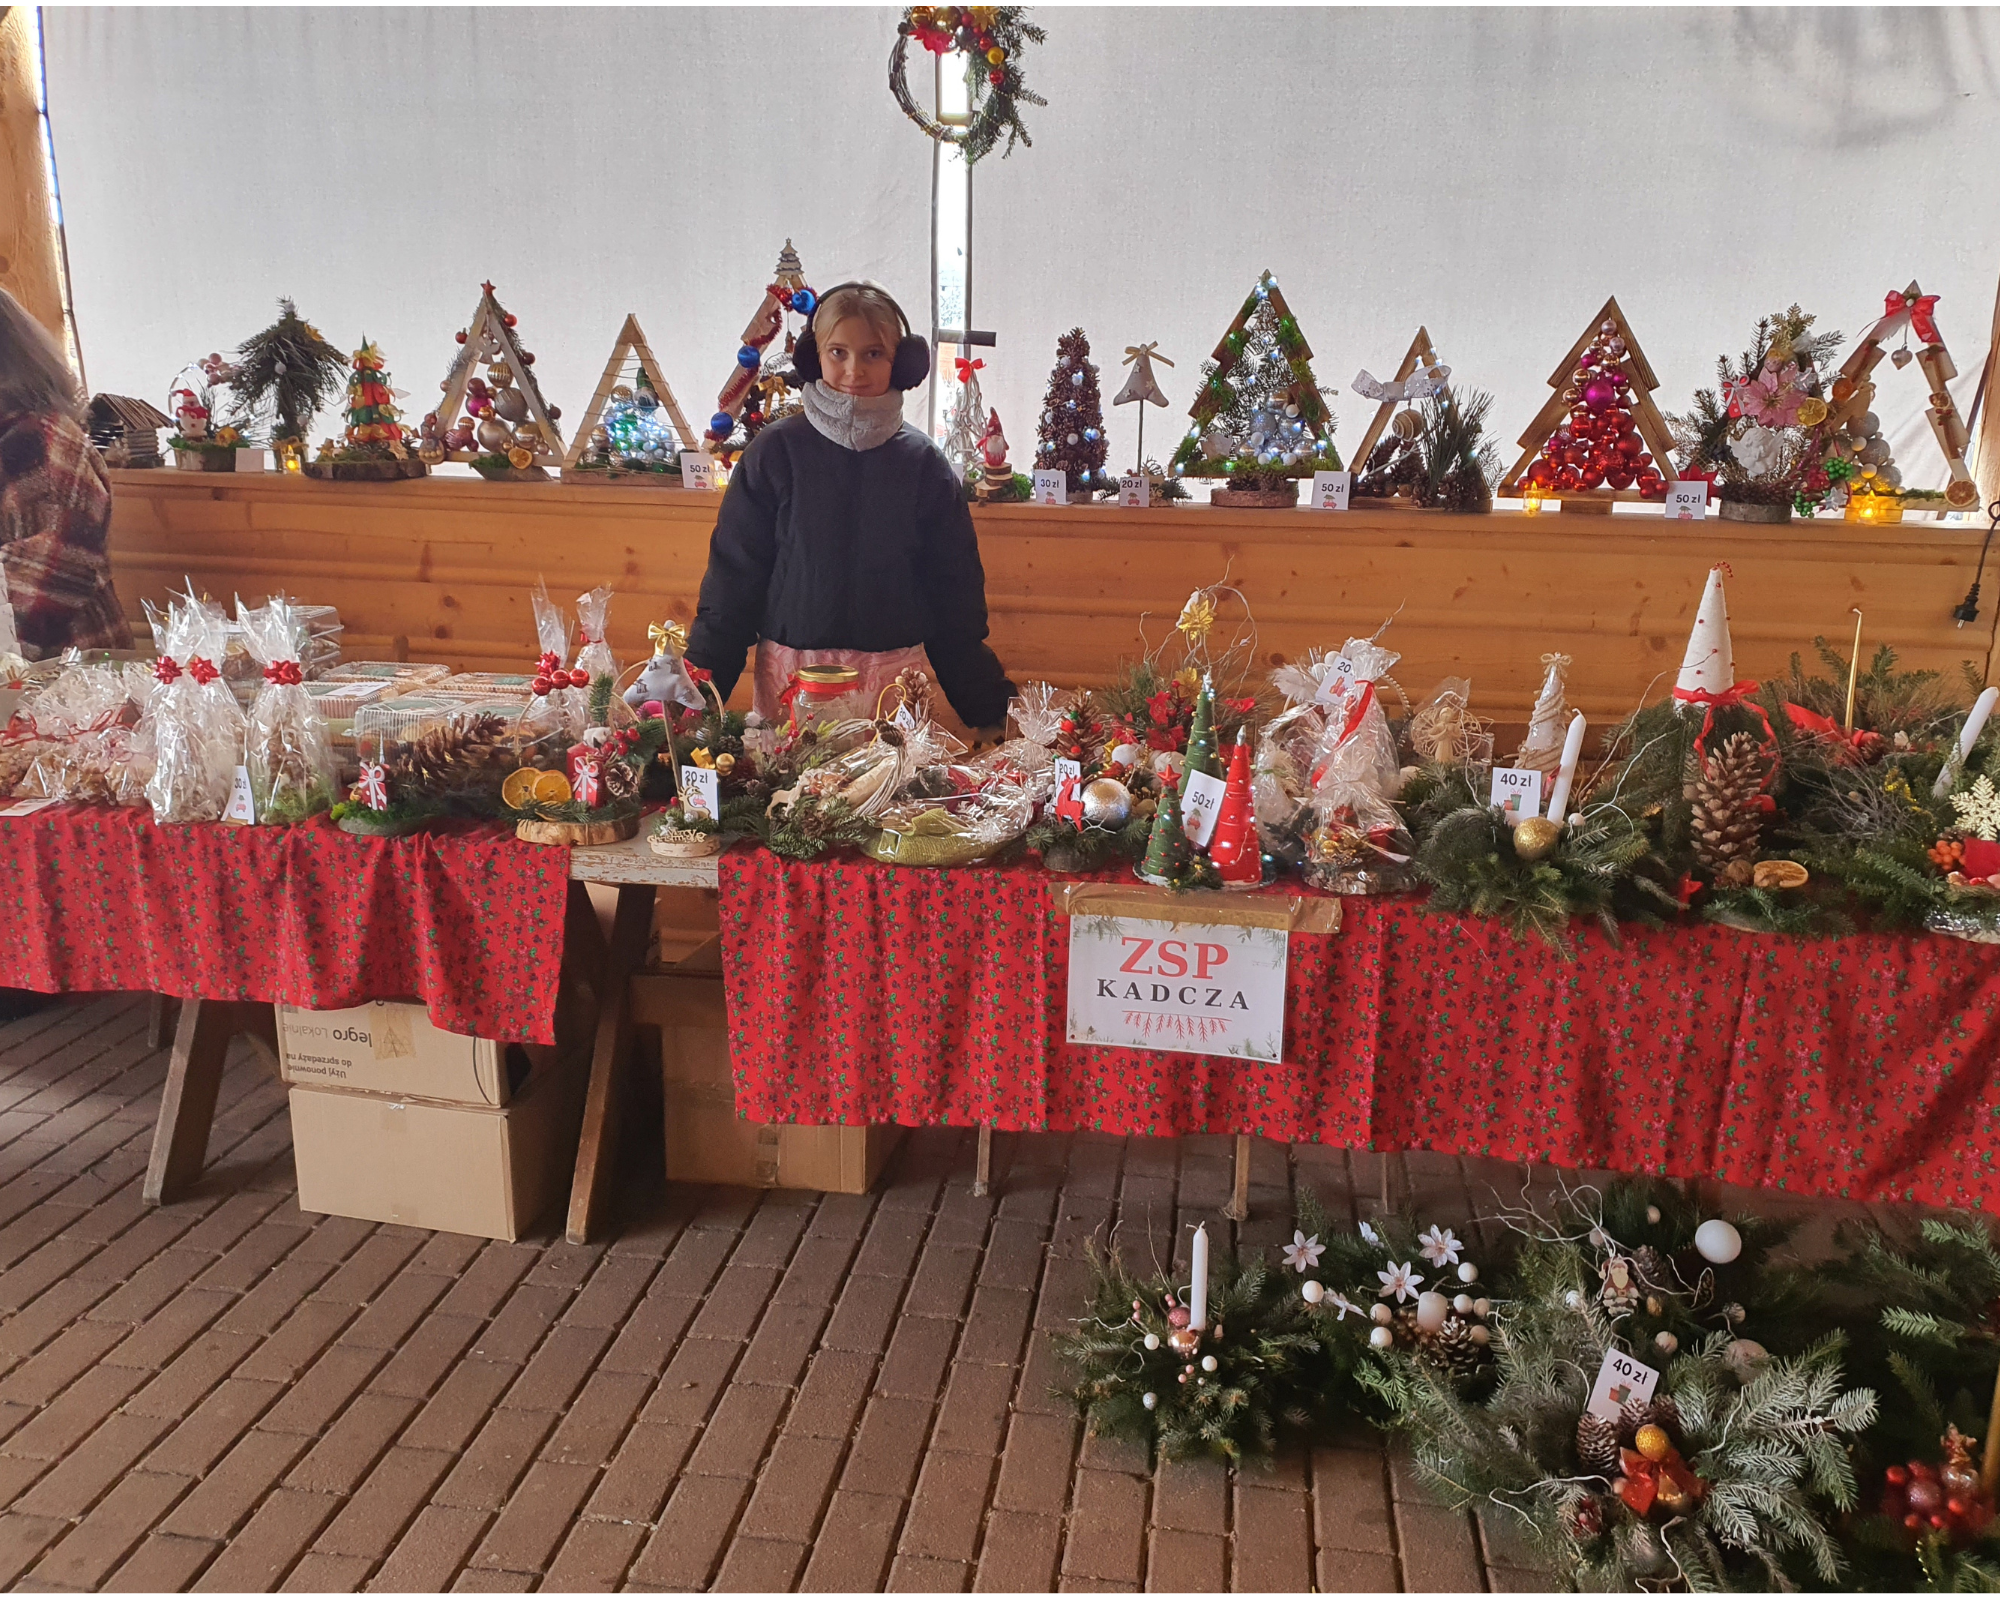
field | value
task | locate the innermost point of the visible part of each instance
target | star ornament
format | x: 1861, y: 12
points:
x: 1440, y: 1246
x: 1303, y: 1253
x: 1197, y: 617
x: 1399, y: 1282
x: 1979, y: 809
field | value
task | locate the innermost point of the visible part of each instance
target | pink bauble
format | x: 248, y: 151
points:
x: 1599, y: 393
x: 458, y: 439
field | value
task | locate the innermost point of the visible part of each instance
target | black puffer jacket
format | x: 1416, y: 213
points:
x: 825, y: 548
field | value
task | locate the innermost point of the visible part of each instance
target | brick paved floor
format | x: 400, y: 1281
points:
x: 739, y: 1391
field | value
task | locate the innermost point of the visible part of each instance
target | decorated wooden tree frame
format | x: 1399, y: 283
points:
x: 757, y: 392
x: 1420, y: 354
x: 1269, y: 428
x: 1854, y: 391
x: 1605, y: 359
x: 601, y: 452
x: 497, y: 423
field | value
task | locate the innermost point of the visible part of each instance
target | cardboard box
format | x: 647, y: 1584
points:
x: 489, y: 1171
x: 392, y: 1047
x: 706, y: 1141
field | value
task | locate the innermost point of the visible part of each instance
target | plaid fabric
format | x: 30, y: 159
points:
x: 55, y: 515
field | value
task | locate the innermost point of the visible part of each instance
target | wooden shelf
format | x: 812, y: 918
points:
x: 441, y: 568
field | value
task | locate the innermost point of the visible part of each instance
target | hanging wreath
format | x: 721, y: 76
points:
x: 990, y: 35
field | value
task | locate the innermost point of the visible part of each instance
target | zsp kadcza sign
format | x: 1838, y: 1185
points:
x: 1212, y: 990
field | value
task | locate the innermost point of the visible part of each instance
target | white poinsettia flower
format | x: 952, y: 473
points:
x: 1341, y: 1305
x: 1370, y: 1234
x: 1399, y: 1281
x: 1302, y: 1253
x: 1440, y: 1246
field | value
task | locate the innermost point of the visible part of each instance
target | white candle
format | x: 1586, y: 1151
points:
x: 1975, y: 721
x: 1198, y: 1287
x: 1572, y: 748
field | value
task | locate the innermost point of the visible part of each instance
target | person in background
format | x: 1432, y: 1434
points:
x: 844, y: 538
x: 55, y: 499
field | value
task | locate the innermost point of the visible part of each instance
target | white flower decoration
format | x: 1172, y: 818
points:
x: 1399, y: 1281
x: 1302, y: 1254
x: 1440, y: 1246
x: 1370, y: 1234
x: 1759, y: 451
x: 1341, y: 1305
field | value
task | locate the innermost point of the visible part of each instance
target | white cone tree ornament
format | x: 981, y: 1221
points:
x: 1548, y: 723
x: 1708, y: 670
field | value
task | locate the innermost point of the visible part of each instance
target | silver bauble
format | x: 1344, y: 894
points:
x: 511, y: 404
x: 493, y: 435
x: 1107, y: 803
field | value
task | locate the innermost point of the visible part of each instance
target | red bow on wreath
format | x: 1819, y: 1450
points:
x: 166, y: 669
x: 202, y: 670
x: 967, y: 368
x: 1921, y: 322
x: 286, y: 672
x: 1860, y: 744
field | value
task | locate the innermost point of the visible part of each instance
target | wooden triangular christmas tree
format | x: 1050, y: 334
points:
x: 1600, y: 438
x: 498, y: 422
x: 1270, y: 426
x: 620, y: 436
x: 1420, y: 354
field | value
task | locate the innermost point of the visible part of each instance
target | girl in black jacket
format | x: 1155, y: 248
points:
x: 844, y: 538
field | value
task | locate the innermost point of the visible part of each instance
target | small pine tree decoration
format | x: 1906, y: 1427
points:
x: 1201, y: 755
x: 1071, y: 429
x: 372, y: 418
x: 285, y: 373
x: 1169, y: 856
x: 1260, y: 417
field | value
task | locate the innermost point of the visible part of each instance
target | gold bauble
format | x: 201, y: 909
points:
x: 1652, y: 1442
x: 1184, y: 1341
x: 1536, y: 837
x: 1406, y: 424
x: 430, y: 452
x: 1812, y: 411
x: 500, y: 373
x: 521, y: 457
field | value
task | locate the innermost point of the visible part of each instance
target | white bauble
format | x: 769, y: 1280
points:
x: 1477, y: 1333
x: 1149, y: 1400
x: 1313, y: 1291
x: 1381, y: 1313
x: 1667, y: 1342
x: 1718, y: 1241
x: 1152, y: 1341
x: 1432, y: 1309
x: 1482, y: 1308
x: 1208, y: 1363
x: 1462, y: 1305
x: 1468, y: 1273
x: 1652, y: 1213
x: 1381, y: 1338
x: 1126, y: 755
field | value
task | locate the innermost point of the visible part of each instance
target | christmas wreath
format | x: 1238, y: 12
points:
x: 992, y: 39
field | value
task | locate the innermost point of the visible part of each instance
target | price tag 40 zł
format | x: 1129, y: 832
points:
x: 1518, y: 792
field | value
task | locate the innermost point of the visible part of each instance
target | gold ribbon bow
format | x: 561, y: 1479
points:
x: 669, y: 638
x: 1151, y: 348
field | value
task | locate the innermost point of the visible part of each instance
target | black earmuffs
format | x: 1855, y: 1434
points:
x: 913, y: 354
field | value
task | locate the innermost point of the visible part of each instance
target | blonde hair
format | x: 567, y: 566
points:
x: 870, y: 302
x: 34, y: 373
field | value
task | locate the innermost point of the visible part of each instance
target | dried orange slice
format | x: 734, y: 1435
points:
x: 519, y: 788
x: 552, y: 788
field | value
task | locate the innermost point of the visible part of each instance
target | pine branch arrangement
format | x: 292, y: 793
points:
x: 1458, y: 467
x: 1133, y: 1384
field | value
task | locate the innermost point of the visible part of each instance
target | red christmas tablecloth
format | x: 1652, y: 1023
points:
x: 1861, y: 1067
x: 469, y: 921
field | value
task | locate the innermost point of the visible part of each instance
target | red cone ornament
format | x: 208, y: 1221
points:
x: 1234, y: 847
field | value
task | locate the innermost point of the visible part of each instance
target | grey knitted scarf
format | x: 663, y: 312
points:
x: 859, y: 422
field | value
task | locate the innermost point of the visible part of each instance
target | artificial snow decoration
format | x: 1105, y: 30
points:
x: 1979, y: 809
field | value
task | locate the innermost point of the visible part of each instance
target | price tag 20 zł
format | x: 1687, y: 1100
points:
x: 1135, y: 489
x: 1518, y: 792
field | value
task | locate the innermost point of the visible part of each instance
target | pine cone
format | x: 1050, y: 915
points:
x: 454, y: 754
x: 1407, y: 1332
x: 1597, y: 1443
x: 1652, y: 1268
x: 1451, y: 1348
x: 1727, y: 818
x: 621, y: 780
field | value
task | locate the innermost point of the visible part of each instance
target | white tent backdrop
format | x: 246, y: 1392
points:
x: 1492, y: 174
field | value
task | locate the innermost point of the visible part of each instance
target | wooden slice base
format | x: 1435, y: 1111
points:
x: 1267, y: 498
x: 578, y: 833
x: 389, y: 471
x: 1753, y: 511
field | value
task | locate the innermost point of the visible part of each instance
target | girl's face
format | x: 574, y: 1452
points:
x: 855, y: 359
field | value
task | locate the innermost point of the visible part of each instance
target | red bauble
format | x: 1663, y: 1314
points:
x: 461, y: 336
x: 1924, y: 1495
x: 1568, y: 478
x: 1652, y: 486
x: 1541, y: 475
x: 1620, y: 478
x: 1592, y: 477
x: 1575, y: 456
x: 508, y: 318
x: 1630, y: 446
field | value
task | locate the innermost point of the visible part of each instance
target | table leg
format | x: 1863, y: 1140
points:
x: 1238, y: 1209
x: 160, y: 1016
x: 194, y: 1077
x: 597, y: 1149
x: 982, y: 1166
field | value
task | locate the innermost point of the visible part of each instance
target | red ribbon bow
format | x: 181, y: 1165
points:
x: 700, y: 674
x: 202, y: 670
x: 967, y: 368
x: 284, y: 672
x: 166, y: 669
x: 1737, y: 694
x: 1921, y: 322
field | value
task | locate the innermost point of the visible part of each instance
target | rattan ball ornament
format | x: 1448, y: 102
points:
x: 1406, y: 424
